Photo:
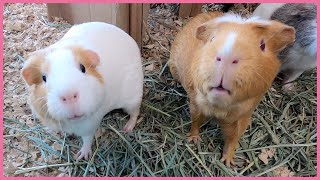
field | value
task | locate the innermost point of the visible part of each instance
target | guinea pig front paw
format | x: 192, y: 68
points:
x: 85, y: 152
x: 130, y: 125
x: 289, y: 88
x: 194, y: 137
x: 227, y: 158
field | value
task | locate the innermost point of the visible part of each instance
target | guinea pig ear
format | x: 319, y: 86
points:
x: 87, y: 57
x: 92, y: 57
x: 31, y: 71
x: 205, y: 31
x: 277, y: 35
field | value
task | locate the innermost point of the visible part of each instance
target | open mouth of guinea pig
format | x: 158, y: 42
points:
x: 219, y: 88
x: 75, y: 117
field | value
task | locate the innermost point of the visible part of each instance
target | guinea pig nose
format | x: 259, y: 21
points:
x: 70, y: 98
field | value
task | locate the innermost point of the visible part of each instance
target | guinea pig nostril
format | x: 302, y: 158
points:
x: 218, y: 59
x: 76, y: 95
x: 235, y: 61
x: 63, y: 99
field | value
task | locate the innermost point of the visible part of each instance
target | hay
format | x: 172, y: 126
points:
x: 281, y: 140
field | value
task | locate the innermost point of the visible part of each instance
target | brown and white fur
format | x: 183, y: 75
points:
x: 95, y: 68
x: 226, y: 63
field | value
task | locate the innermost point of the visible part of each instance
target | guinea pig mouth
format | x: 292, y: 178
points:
x: 75, y: 117
x: 219, y: 88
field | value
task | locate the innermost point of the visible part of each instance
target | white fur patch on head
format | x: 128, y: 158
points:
x: 61, y: 59
x: 228, y: 46
x: 236, y: 18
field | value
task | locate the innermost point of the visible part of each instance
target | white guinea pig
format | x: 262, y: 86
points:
x: 95, y: 68
x: 302, y: 54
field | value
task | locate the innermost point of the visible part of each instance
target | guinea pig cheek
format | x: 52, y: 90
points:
x: 92, y: 88
x: 93, y: 95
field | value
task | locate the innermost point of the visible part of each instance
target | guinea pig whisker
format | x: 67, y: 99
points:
x: 35, y: 66
x: 261, y: 77
x: 44, y: 106
x: 60, y: 126
x: 46, y: 115
x: 39, y: 99
x: 264, y: 67
x: 90, y: 66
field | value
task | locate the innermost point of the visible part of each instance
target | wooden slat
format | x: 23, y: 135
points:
x: 117, y: 14
x: 128, y: 17
x: 138, y: 13
x: 135, y: 19
x: 196, y: 9
x: 146, y: 8
x: 123, y: 17
x: 189, y: 9
x: 185, y: 10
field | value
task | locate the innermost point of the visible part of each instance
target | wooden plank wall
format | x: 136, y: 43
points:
x: 138, y: 14
x: 128, y: 17
x: 190, y: 9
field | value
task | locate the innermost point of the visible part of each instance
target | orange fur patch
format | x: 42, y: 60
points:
x: 89, y: 60
x: 32, y: 71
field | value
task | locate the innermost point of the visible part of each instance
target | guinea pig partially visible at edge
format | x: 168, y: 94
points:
x: 300, y: 56
x: 226, y: 63
x: 93, y: 69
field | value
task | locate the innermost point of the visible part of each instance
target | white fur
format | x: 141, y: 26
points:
x: 265, y: 10
x: 120, y: 65
x: 228, y: 46
x: 236, y: 18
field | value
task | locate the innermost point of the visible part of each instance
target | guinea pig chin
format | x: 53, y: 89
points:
x: 215, y: 97
x: 65, y: 113
x: 216, y: 90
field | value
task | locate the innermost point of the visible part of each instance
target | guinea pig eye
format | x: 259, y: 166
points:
x: 82, y: 68
x: 44, y: 78
x: 262, y: 45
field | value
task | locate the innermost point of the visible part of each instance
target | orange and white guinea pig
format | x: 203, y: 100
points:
x: 226, y: 63
x: 95, y: 68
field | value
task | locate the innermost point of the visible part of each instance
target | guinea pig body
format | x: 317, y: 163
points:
x: 226, y: 64
x: 95, y: 68
x: 301, y: 55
